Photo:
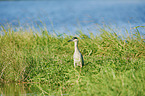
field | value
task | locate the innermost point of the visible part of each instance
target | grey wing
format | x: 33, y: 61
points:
x: 82, y: 60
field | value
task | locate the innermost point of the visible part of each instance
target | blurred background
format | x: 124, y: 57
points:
x: 70, y: 16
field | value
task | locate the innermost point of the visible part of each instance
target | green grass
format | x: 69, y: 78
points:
x: 114, y: 65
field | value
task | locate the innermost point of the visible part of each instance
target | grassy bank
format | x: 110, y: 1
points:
x: 114, y: 65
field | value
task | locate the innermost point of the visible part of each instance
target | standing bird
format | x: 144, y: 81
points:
x: 78, y: 58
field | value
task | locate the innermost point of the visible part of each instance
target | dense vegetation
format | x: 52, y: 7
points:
x: 114, y: 65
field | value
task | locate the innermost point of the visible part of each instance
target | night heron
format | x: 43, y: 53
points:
x: 78, y: 58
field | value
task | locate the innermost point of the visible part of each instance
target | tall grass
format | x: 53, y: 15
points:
x: 114, y: 65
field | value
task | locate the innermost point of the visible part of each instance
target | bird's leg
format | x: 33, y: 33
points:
x: 80, y: 64
x: 74, y: 63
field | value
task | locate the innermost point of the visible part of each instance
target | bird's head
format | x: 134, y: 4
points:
x: 74, y: 39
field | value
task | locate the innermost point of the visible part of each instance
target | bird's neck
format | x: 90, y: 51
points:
x: 76, y: 46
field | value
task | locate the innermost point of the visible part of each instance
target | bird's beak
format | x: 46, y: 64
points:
x: 70, y: 40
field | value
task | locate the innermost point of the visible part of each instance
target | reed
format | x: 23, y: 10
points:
x: 114, y: 65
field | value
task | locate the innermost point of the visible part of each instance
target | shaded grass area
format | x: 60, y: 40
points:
x: 114, y: 65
